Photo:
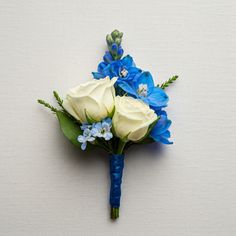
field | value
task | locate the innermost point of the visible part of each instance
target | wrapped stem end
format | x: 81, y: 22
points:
x: 114, y: 213
x: 116, y: 169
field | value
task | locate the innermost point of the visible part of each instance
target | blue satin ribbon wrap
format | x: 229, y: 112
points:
x: 116, y: 170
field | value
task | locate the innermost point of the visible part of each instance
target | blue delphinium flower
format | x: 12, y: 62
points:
x: 86, y: 137
x: 124, y: 69
x: 142, y: 87
x: 102, y: 129
x: 160, y: 132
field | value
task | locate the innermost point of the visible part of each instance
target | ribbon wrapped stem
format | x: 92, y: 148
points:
x: 116, y: 170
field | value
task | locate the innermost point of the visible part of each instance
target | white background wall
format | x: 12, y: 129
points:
x: 48, y: 187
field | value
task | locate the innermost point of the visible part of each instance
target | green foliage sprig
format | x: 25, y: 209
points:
x: 52, y: 108
x: 47, y: 105
x: 69, y: 126
x: 168, y: 82
x: 59, y: 100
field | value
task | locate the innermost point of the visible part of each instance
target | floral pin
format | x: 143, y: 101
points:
x: 119, y: 108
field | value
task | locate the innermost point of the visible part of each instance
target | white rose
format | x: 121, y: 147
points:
x: 94, y: 99
x: 132, y: 118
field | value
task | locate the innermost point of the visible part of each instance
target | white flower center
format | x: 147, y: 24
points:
x: 142, y: 90
x: 123, y: 73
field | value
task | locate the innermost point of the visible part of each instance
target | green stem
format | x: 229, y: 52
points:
x: 110, y: 146
x: 114, y: 213
x: 99, y: 143
x: 121, y: 146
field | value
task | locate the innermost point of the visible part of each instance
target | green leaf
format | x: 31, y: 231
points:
x: 69, y: 128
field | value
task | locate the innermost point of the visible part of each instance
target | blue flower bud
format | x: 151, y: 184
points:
x: 108, y: 57
x: 115, y: 34
x: 118, y: 41
x: 120, y: 51
x: 114, y: 47
x: 109, y: 39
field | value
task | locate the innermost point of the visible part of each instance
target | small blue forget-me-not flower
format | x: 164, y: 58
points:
x: 86, y: 137
x: 96, y: 130
x: 102, y: 129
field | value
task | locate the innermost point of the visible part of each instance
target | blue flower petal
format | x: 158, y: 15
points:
x: 98, y: 126
x: 144, y: 78
x: 166, y: 134
x: 85, y: 126
x: 90, y: 139
x: 97, y: 75
x: 134, y: 70
x: 108, y: 57
x: 158, y: 98
x: 107, y: 120
x: 161, y: 113
x: 94, y: 132
x: 165, y: 141
x: 108, y: 136
x: 127, y: 88
x: 162, y: 125
x: 106, y: 126
x: 102, y: 66
x: 160, y: 132
x: 128, y: 61
x: 83, y: 146
x: 81, y: 139
x: 107, y: 71
x: 156, y: 138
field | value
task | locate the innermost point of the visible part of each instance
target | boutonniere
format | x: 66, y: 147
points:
x: 120, y: 107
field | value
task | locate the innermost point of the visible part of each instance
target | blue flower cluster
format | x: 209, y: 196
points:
x: 160, y: 132
x: 124, y: 69
x: 140, y: 85
x: 96, y: 130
